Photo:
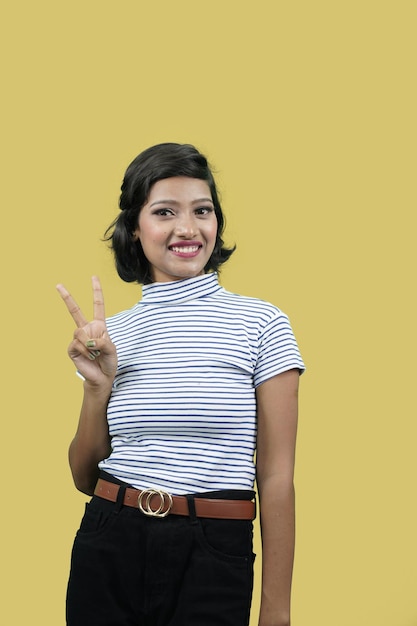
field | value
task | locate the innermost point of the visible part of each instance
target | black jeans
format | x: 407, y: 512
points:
x: 128, y: 569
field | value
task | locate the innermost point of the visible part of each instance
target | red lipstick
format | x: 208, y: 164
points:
x: 186, y: 249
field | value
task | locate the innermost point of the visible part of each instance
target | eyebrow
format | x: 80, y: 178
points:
x: 176, y: 201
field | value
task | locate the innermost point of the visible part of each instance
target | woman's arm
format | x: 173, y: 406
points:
x: 277, y: 409
x: 95, y: 357
x: 91, y: 443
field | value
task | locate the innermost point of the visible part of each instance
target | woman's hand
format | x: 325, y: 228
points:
x: 91, y: 350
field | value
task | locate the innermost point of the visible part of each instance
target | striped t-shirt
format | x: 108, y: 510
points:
x: 182, y: 413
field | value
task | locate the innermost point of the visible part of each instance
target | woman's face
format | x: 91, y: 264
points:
x: 177, y: 228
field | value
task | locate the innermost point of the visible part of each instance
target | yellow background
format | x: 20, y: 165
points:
x: 307, y: 110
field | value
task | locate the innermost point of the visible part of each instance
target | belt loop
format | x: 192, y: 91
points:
x: 120, y: 498
x: 191, y: 509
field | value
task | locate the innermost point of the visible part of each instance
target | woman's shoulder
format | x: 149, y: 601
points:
x: 251, y: 304
x: 122, y: 317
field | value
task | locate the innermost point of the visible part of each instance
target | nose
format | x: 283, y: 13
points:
x: 186, y: 226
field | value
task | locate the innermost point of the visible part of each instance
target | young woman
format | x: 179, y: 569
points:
x: 178, y: 391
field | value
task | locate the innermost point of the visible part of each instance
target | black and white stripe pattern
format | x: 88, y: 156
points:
x: 182, y: 414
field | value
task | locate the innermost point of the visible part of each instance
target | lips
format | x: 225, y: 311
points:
x: 186, y: 248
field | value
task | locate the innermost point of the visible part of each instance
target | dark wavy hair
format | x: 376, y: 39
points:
x: 164, y: 160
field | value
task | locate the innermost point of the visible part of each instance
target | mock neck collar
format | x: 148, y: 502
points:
x: 178, y: 291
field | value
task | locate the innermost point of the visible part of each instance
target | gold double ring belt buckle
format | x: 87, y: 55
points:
x: 145, y: 502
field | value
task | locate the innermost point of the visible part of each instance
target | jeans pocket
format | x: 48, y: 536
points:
x: 230, y: 540
x: 95, y: 519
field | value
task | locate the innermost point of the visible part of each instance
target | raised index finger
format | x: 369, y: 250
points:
x: 72, y: 307
x: 98, y: 300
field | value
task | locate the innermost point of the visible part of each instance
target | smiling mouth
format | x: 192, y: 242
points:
x: 185, y: 249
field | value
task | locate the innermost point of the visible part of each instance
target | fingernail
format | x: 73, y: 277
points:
x: 91, y: 356
x: 96, y: 352
x: 90, y: 343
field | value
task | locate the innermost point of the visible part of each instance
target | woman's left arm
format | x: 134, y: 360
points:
x: 277, y: 410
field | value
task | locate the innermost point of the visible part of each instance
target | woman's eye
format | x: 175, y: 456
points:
x: 204, y: 210
x: 163, y: 212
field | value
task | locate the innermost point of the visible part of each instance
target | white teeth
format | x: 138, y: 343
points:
x: 186, y: 249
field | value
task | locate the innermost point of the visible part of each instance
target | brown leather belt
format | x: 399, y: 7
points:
x: 158, y: 503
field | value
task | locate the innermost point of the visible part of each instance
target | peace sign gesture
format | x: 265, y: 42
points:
x: 91, y: 350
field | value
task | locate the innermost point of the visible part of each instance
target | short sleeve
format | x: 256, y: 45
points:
x: 278, y: 350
